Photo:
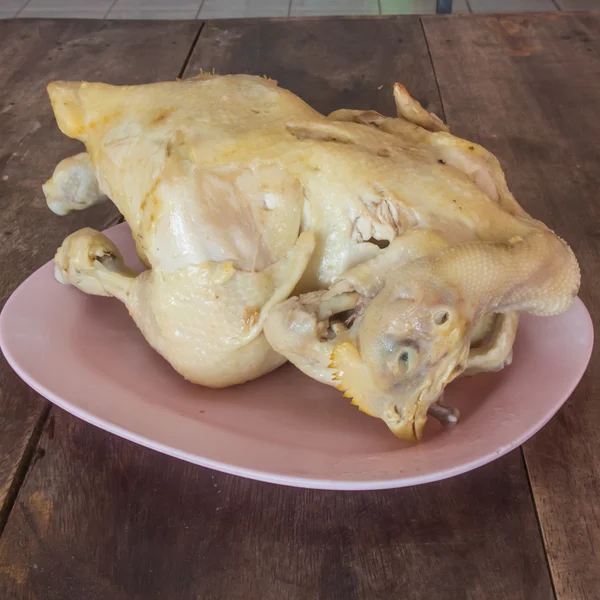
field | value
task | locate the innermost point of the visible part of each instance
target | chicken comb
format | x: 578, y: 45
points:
x: 348, y: 372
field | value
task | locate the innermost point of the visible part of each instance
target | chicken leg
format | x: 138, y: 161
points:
x: 171, y: 308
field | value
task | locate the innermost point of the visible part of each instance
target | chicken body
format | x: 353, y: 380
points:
x: 260, y: 220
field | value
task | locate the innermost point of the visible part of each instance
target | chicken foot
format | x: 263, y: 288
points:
x: 297, y: 328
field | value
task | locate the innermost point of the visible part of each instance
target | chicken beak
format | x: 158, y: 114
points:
x: 409, y: 431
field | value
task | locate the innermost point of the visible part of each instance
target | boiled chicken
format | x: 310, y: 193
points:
x: 382, y: 256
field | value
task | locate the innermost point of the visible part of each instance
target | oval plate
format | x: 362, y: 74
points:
x: 86, y: 355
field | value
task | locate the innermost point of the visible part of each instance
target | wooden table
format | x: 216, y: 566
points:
x: 86, y: 515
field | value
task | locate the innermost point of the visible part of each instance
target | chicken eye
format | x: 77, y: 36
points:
x: 407, y: 358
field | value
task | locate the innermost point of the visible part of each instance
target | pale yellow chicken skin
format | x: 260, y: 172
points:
x: 383, y: 256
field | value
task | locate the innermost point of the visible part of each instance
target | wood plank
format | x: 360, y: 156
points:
x: 31, y: 54
x: 527, y: 88
x: 101, y: 517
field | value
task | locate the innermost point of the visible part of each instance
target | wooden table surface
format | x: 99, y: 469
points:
x: 86, y: 515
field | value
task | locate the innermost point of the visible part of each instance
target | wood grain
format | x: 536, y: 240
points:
x: 527, y: 88
x: 99, y: 517
x: 31, y: 54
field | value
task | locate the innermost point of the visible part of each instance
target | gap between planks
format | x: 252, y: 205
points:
x: 23, y: 467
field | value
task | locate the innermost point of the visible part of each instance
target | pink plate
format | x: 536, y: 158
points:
x: 85, y: 354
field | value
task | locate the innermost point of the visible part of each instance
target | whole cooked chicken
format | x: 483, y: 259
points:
x: 382, y: 256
